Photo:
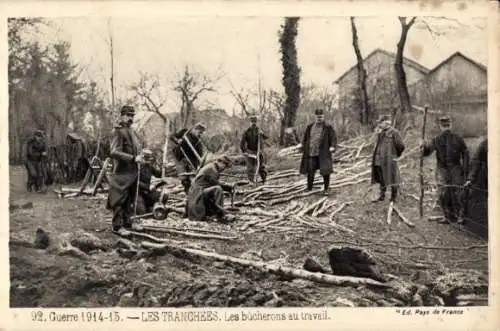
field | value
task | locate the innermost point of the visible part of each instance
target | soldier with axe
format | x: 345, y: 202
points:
x: 188, y: 152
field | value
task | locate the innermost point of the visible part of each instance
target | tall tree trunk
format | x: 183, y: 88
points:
x: 365, y: 113
x: 404, y: 96
x: 291, y: 72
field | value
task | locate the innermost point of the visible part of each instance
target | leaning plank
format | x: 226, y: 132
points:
x: 289, y: 272
x: 101, y: 175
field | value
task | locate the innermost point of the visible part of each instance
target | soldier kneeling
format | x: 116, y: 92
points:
x: 206, y: 196
x: 149, y: 196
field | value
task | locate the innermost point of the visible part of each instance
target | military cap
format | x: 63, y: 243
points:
x: 319, y: 111
x: 200, y: 126
x: 384, y: 117
x: 147, y: 153
x: 445, y: 120
x: 225, y: 160
x: 38, y: 133
x: 127, y: 110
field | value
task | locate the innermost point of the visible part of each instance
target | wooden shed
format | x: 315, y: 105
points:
x: 381, y: 81
x: 458, y: 87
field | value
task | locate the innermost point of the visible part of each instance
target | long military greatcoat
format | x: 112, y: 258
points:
x: 328, y: 139
x: 452, y: 157
x: 390, y: 146
x: 125, y: 146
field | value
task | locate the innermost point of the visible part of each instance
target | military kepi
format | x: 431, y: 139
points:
x: 384, y: 117
x: 445, y: 121
x: 200, y: 126
x: 319, y: 111
x: 226, y: 160
x: 127, y: 110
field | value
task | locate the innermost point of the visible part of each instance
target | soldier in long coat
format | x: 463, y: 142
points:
x: 126, y: 155
x: 206, y: 195
x: 318, y: 144
x: 185, y: 158
x: 35, y: 154
x: 249, y: 145
x: 476, y: 187
x: 388, y: 147
x: 452, y: 156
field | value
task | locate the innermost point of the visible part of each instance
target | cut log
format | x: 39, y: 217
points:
x: 389, y: 212
x: 311, y: 207
x: 401, y: 216
x: 189, y: 234
x: 342, y: 206
x: 266, y: 267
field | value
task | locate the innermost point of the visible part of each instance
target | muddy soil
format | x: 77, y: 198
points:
x: 106, y: 278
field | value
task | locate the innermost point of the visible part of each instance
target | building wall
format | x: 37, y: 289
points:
x: 152, y: 132
x: 459, y: 89
x: 381, y: 83
x: 457, y: 80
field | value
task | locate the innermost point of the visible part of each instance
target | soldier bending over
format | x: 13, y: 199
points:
x: 206, y: 195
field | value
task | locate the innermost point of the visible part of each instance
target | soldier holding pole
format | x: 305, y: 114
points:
x: 188, y: 152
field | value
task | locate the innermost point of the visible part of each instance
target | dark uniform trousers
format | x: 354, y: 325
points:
x: 313, y: 167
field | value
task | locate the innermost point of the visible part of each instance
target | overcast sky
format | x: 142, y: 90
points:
x: 236, y: 46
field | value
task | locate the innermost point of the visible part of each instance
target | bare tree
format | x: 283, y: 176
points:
x: 242, y: 100
x: 191, y: 86
x: 404, y: 96
x: 149, y: 95
x: 365, y: 113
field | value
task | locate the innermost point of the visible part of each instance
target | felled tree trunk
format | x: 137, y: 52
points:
x: 276, y: 269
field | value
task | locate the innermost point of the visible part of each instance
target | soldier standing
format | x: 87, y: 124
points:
x: 251, y: 145
x: 34, y: 158
x: 149, y: 196
x: 389, y: 146
x: 127, y: 158
x: 318, y: 144
x: 452, y: 158
x: 476, y: 189
x: 188, y: 152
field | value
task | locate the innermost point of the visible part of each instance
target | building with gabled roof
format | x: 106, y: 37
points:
x: 458, y: 87
x: 380, y: 82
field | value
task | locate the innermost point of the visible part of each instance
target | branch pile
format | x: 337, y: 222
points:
x: 347, y: 151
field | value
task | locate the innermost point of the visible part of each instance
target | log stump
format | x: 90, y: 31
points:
x: 353, y: 261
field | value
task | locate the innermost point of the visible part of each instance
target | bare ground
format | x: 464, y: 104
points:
x: 45, y: 279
